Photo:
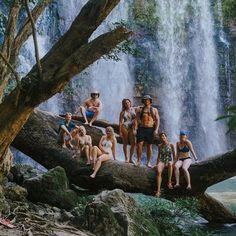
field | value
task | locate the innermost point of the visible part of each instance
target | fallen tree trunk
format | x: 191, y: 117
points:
x: 38, y: 140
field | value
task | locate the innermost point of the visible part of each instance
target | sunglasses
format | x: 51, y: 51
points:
x: 94, y: 94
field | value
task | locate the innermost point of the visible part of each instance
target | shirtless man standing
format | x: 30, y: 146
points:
x: 91, y: 108
x: 146, y: 126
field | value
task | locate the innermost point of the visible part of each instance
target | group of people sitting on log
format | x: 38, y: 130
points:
x: 136, y: 126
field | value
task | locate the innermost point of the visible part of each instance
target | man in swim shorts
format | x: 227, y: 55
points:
x: 146, y: 126
x: 91, y: 108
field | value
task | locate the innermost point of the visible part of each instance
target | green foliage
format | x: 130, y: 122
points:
x: 231, y: 118
x: 229, y: 9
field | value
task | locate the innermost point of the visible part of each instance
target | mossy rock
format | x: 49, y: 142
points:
x: 116, y: 213
x: 52, y: 188
x: 15, y: 192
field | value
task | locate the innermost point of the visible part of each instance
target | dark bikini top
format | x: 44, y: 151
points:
x: 184, y: 149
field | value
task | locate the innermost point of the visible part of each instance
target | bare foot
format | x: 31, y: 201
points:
x: 126, y: 161
x: 88, y: 163
x: 131, y: 162
x: 189, y: 188
x: 177, y: 186
x: 86, y: 123
x: 138, y: 163
x: 90, y: 124
x: 158, y: 194
x: 63, y: 145
x: 169, y: 185
x: 149, y: 165
x: 92, y: 176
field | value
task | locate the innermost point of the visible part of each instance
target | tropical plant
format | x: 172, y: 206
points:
x: 231, y: 118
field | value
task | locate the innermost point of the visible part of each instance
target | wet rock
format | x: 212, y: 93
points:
x: 51, y: 188
x: 4, y: 207
x: 116, y: 213
x: 15, y: 192
x: 23, y: 172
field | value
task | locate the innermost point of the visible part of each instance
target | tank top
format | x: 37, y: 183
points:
x: 129, y: 117
x: 107, y: 146
x: 166, y: 153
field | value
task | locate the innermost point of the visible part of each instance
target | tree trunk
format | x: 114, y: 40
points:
x: 38, y: 140
x: 70, y: 55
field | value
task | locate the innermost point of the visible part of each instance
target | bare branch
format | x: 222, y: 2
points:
x: 26, y: 29
x: 34, y: 33
x: 11, y: 28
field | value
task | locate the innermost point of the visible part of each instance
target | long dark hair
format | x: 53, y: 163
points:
x: 123, y: 103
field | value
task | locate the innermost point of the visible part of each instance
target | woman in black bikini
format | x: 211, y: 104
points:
x: 183, y: 148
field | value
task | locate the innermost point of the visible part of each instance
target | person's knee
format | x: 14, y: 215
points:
x: 82, y: 108
x: 159, y: 173
x: 94, y: 148
x: 185, y: 169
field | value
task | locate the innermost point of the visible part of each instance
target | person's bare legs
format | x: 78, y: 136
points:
x: 125, y: 142
x: 139, y: 153
x: 170, y: 171
x: 177, y: 165
x: 95, y: 153
x: 160, y: 168
x: 96, y: 113
x: 149, y: 154
x: 102, y: 158
x: 87, y: 153
x: 62, y: 136
x: 186, y: 165
x: 132, y: 145
x: 83, y: 112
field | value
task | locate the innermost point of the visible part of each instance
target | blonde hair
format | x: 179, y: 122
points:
x: 111, y: 129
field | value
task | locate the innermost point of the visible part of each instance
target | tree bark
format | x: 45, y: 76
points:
x: 67, y: 58
x: 38, y: 140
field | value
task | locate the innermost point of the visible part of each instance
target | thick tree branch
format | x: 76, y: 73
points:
x: 34, y: 33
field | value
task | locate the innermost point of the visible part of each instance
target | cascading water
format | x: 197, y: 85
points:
x: 226, y: 54
x: 187, y: 63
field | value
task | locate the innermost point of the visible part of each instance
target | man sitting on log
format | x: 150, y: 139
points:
x: 66, y: 128
x: 91, y: 108
x: 146, y: 125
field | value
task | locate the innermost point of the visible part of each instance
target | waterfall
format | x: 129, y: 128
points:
x: 187, y: 63
x: 226, y: 54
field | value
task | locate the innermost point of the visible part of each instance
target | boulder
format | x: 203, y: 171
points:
x: 116, y: 213
x: 15, y: 192
x: 23, y: 172
x: 6, y: 164
x: 51, y: 188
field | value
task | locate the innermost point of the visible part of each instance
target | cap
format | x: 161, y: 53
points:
x: 146, y: 97
x: 183, y: 132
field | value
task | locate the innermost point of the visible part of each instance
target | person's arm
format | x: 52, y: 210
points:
x: 114, y: 148
x: 100, y: 144
x: 121, y: 122
x: 136, y: 120
x: 63, y: 127
x: 173, y: 152
x: 190, y: 146
x: 177, y: 152
x: 159, y: 155
x: 157, y: 121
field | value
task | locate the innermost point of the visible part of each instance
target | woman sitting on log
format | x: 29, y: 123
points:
x: 126, y: 121
x: 166, y: 155
x: 105, y: 151
x: 183, y: 148
x: 83, y: 142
